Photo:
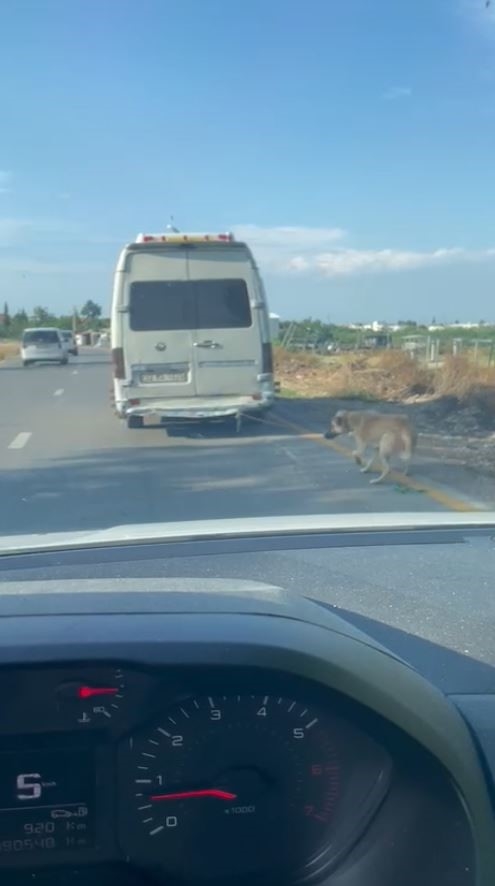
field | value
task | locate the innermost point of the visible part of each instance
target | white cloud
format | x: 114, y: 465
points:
x: 317, y: 252
x: 343, y: 263
x: 348, y: 262
x: 288, y: 236
x: 393, y: 93
x: 282, y: 248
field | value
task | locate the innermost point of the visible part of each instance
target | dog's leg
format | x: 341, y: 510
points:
x: 359, y: 451
x: 406, y: 458
x: 369, y: 464
x: 385, y: 472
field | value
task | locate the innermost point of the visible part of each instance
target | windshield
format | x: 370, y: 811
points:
x: 266, y: 236
x: 40, y: 336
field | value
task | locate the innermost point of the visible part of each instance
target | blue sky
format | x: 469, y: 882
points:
x: 352, y: 142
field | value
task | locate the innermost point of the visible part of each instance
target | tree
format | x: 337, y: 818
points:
x: 6, y: 315
x: 41, y: 316
x: 91, y: 311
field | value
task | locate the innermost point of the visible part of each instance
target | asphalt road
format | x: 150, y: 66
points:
x: 67, y: 463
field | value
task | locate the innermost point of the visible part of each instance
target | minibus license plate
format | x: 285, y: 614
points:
x: 149, y: 378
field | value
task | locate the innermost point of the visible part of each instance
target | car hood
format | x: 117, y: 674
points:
x: 245, y: 528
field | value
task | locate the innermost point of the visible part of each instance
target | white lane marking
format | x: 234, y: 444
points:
x: 58, y: 393
x: 20, y: 441
x: 289, y: 454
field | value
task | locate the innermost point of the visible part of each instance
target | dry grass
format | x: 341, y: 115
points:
x: 8, y: 349
x: 386, y: 376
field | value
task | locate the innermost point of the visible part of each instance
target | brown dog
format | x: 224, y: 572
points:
x: 388, y: 435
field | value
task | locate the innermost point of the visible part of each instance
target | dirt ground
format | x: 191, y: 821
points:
x: 8, y: 349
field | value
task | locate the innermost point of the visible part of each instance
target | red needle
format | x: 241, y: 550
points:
x: 186, y: 795
x: 90, y: 691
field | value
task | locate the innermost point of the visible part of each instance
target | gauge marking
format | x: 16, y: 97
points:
x: 304, y: 712
x: 211, y: 702
x: 313, y: 723
x: 172, y: 721
x: 156, y: 830
x: 152, y: 741
x: 164, y: 732
x: 291, y: 706
x: 186, y: 715
x: 265, y: 700
x: 141, y: 808
x: 152, y: 756
x: 143, y: 780
x: 147, y: 820
x: 144, y: 767
x: 195, y: 703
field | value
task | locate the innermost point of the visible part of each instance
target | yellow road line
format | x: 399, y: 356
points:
x: 437, y: 495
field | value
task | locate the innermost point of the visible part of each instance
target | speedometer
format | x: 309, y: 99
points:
x: 231, y: 786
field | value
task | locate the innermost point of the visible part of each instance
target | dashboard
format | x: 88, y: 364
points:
x: 187, y: 776
x: 187, y: 738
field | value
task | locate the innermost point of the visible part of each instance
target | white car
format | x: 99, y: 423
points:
x: 43, y: 345
x: 69, y: 341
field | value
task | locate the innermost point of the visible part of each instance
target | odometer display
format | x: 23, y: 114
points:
x: 46, y: 802
x: 233, y: 786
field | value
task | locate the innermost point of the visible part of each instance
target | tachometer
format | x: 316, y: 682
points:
x: 232, y: 786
